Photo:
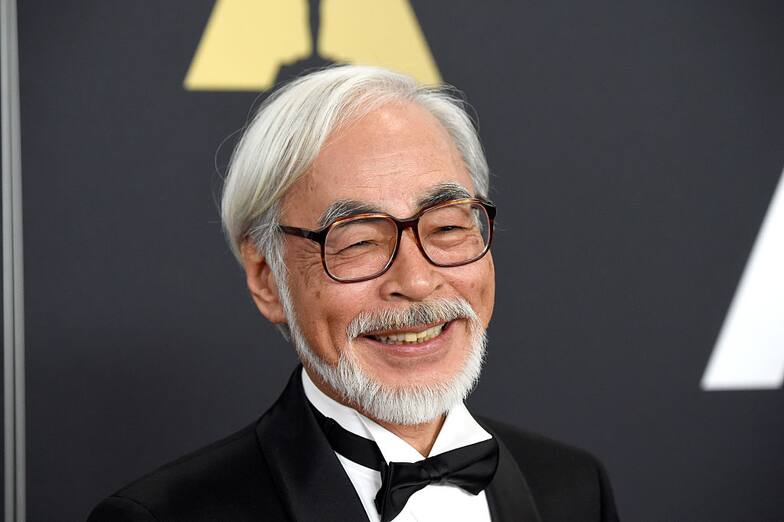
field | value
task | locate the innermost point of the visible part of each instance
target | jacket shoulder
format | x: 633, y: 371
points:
x: 564, y: 480
x: 538, y: 451
x: 227, y: 480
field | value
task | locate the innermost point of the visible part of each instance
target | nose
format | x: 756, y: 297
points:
x: 411, y: 277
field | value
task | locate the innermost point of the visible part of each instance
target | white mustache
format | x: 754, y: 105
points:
x: 413, y: 316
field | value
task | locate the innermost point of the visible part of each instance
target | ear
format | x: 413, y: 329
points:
x: 261, y: 284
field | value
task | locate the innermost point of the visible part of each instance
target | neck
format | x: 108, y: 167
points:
x: 420, y: 436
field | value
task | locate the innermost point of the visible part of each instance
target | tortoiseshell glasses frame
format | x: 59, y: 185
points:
x: 320, y: 235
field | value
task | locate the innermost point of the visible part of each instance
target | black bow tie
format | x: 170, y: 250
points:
x: 471, y: 467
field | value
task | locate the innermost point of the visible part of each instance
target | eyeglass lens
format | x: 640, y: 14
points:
x: 450, y: 235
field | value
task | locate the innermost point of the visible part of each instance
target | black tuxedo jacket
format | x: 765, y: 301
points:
x: 282, y: 468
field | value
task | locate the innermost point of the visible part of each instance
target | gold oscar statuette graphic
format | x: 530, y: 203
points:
x: 250, y: 45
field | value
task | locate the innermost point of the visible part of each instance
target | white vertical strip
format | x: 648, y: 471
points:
x: 749, y: 352
x: 13, y: 302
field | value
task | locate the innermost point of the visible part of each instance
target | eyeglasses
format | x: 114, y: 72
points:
x: 361, y: 247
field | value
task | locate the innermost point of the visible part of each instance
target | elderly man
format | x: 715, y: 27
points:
x: 356, y: 202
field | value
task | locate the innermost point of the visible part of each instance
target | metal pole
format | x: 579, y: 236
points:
x: 13, y: 296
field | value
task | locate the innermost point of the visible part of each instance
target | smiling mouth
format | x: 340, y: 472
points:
x: 410, y: 337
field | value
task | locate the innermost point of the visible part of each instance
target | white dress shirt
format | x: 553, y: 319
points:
x: 436, y: 502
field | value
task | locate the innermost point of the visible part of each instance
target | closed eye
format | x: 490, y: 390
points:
x: 357, y: 246
x: 450, y: 228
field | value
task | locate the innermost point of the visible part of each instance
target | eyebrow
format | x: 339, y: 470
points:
x: 443, y: 192
x: 344, y: 208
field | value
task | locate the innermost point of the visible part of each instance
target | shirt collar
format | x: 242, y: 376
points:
x: 459, y: 429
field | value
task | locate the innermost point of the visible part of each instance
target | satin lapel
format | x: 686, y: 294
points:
x: 309, y: 476
x: 508, y: 495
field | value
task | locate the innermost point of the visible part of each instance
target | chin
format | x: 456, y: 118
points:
x: 378, y: 333
x: 400, y: 403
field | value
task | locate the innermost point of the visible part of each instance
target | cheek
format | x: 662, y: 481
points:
x: 490, y: 281
x: 340, y: 304
x: 324, y: 311
x: 303, y: 260
x: 479, y: 285
x: 488, y: 301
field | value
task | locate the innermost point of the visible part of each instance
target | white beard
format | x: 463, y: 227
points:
x: 405, y: 404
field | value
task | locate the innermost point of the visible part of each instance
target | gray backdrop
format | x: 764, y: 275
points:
x: 635, y: 149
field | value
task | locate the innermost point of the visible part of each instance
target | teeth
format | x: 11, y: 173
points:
x: 410, y: 337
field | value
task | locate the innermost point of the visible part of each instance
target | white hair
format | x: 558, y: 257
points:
x: 291, y: 126
x: 278, y: 146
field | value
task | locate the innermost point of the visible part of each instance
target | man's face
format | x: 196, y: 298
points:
x: 389, y: 159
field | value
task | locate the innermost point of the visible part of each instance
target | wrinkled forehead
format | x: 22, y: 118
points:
x: 342, y: 208
x: 326, y: 208
x: 394, y: 160
x: 312, y: 208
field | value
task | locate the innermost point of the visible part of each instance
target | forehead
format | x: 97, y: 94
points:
x: 388, y: 159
